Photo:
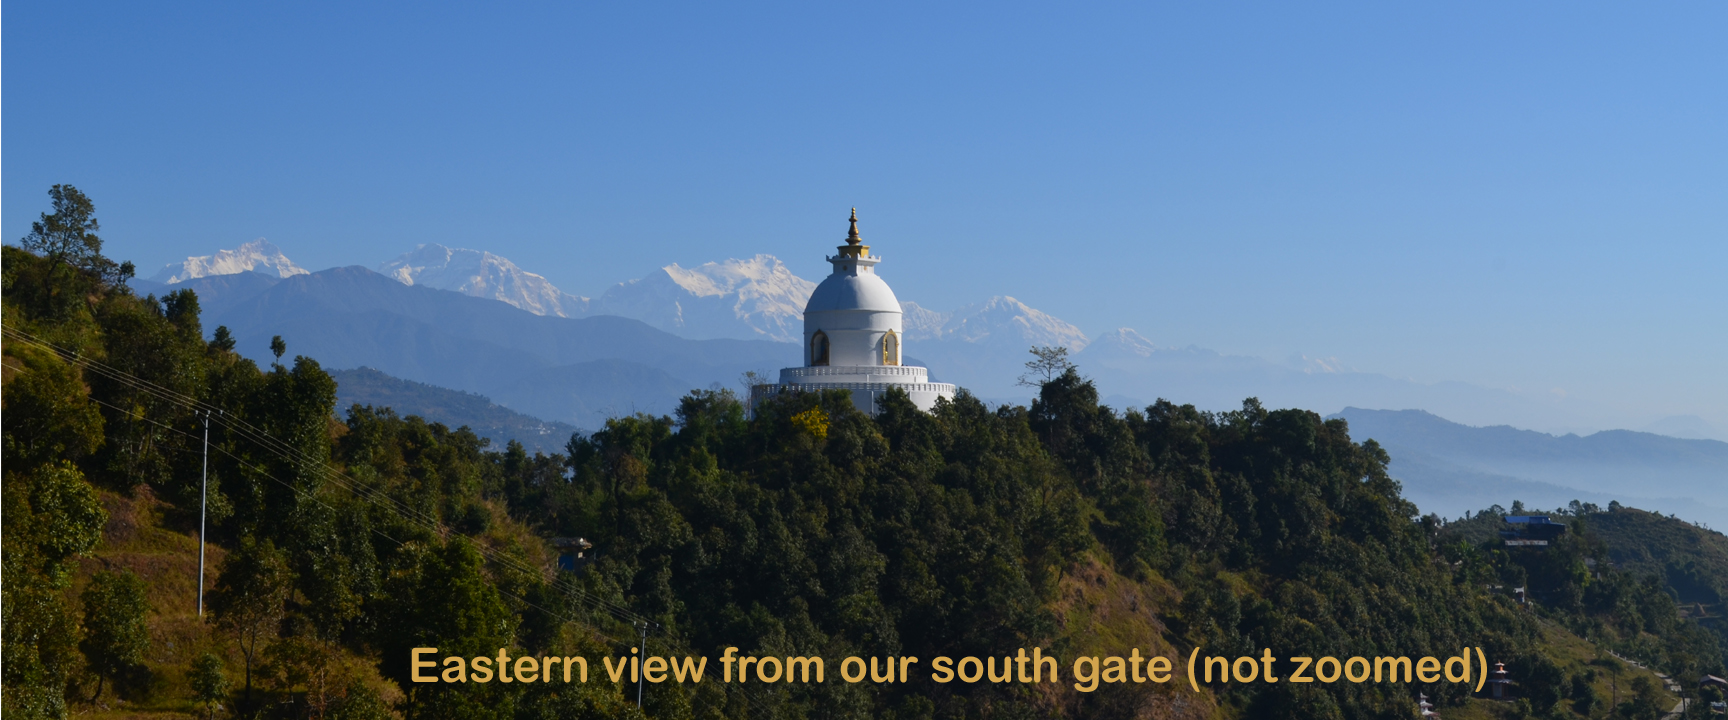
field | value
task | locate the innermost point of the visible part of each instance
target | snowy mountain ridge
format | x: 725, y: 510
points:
x: 481, y: 274
x: 756, y: 298
x: 753, y: 299
x: 1001, y: 319
x: 257, y: 256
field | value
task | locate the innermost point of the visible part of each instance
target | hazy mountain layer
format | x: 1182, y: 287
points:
x: 1458, y: 467
x: 352, y: 317
x: 453, y: 408
x: 222, y: 289
x: 1690, y: 427
x: 1132, y: 368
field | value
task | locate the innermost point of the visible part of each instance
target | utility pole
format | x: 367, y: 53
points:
x: 203, y: 501
x: 644, y: 659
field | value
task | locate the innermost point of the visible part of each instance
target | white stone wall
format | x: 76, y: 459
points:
x: 854, y: 336
x: 854, y: 373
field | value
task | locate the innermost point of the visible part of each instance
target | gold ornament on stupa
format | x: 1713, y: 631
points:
x: 854, y: 246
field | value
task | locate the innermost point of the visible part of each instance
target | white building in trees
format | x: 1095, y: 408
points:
x: 853, y: 338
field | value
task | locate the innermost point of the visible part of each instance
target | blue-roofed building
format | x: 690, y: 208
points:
x: 1531, y: 530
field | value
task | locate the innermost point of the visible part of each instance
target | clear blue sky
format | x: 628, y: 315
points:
x: 1529, y: 195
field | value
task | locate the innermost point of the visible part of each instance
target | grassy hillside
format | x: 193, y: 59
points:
x: 453, y: 408
x: 139, y: 538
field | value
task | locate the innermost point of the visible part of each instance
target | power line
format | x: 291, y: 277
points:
x: 263, y: 472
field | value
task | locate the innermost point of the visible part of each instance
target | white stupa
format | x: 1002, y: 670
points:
x: 853, y: 338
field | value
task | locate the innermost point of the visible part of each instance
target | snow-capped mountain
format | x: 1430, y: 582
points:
x: 999, y: 320
x: 256, y: 256
x: 748, y: 299
x: 752, y: 299
x: 1317, y: 365
x: 1121, y: 344
x: 758, y: 298
x: 921, y: 323
x: 481, y: 274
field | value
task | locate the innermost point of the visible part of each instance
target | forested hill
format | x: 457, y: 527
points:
x: 1684, y: 562
x: 808, y: 529
x: 1690, y: 563
x: 1693, y: 560
x: 499, y: 424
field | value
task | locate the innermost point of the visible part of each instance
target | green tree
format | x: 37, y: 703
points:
x: 1542, y: 681
x: 209, y: 683
x: 310, y: 664
x: 57, y: 520
x: 51, y: 512
x: 223, y: 339
x: 439, y: 597
x: 52, y: 517
x: 181, y: 309
x: 115, y: 634
x: 249, y: 599
x: 1048, y: 363
x: 67, y: 237
x: 141, y: 446
x: 360, y: 702
x: 1646, y: 700
x: 49, y: 416
x: 1584, y: 697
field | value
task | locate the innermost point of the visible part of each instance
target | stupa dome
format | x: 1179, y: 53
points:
x: 861, y: 291
x: 853, y: 338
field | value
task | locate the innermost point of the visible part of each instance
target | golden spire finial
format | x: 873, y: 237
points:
x: 854, y: 247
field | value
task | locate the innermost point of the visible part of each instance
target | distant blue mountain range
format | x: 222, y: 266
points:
x: 578, y: 371
x: 1450, y: 468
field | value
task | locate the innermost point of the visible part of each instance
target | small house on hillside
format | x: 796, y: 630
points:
x: 1531, y: 530
x: 573, y: 553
